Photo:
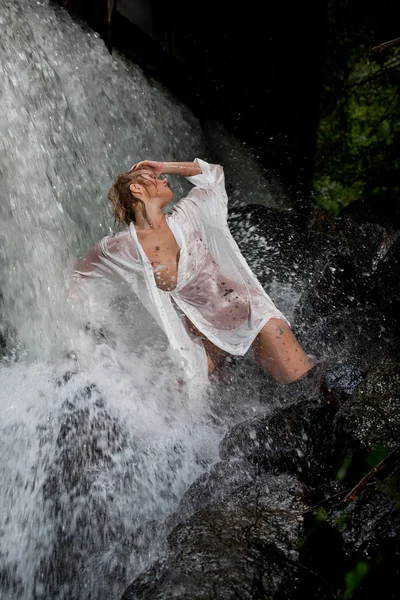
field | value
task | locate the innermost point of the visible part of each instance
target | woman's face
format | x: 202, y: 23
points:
x: 157, y: 188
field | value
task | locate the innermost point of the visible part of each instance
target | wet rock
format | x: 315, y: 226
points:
x: 242, y: 481
x: 331, y: 288
x: 228, y: 550
x: 383, y: 210
x: 387, y: 284
x: 369, y: 528
x: 101, y: 335
x: 367, y: 245
x: 372, y: 520
x: 346, y: 279
x: 2, y: 344
x: 10, y: 584
x: 296, y: 439
x: 234, y: 534
x: 364, y: 239
x: 3, y: 330
x: 278, y: 244
x: 79, y: 497
x: 372, y: 417
x: 348, y: 342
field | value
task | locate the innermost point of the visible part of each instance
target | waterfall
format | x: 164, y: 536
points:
x: 98, y: 441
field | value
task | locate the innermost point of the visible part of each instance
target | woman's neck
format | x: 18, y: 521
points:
x: 153, y: 220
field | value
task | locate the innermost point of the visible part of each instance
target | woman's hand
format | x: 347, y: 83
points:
x: 156, y: 167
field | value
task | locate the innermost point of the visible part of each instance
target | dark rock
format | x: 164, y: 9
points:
x: 370, y: 531
x: 367, y: 244
x: 80, y: 504
x: 296, y: 439
x: 228, y: 550
x: 382, y: 210
x: 101, y: 335
x: 277, y: 244
x: 332, y: 288
x: 10, y: 583
x: 234, y: 535
x: 347, y: 277
x: 348, y: 342
x: 372, y: 417
x: 372, y: 520
x: 242, y: 481
x: 3, y: 330
x: 387, y: 284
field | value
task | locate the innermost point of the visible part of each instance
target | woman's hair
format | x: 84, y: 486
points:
x: 122, y: 199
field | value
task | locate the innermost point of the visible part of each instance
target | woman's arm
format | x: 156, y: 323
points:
x: 186, y: 169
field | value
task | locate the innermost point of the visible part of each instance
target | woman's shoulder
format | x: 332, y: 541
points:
x: 118, y: 243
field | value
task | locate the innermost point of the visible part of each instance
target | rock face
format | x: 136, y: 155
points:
x: 244, y: 530
x: 386, y: 284
x: 277, y: 244
x: 294, y: 439
x: 88, y: 441
x: 245, y: 482
x: 240, y: 539
x: 371, y: 418
x: 225, y: 551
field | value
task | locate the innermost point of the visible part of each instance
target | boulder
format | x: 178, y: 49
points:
x: 346, y: 273
x: 371, y: 418
x: 386, y: 284
x: 383, y: 210
x: 277, y: 244
x: 332, y: 287
x: 229, y: 550
x: 244, y: 482
x: 370, y: 530
x: 348, y: 342
x: 295, y: 439
x: 88, y: 443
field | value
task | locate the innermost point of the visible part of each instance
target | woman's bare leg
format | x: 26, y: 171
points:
x: 279, y: 353
x: 215, y: 356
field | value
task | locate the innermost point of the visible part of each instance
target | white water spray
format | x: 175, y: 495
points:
x: 97, y: 437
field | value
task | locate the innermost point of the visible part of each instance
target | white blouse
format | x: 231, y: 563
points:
x: 216, y: 289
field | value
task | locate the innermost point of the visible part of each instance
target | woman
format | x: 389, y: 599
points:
x: 187, y: 270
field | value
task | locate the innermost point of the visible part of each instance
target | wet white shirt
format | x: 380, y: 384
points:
x: 216, y: 289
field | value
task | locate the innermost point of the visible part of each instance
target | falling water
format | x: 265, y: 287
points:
x: 97, y: 438
x: 98, y: 441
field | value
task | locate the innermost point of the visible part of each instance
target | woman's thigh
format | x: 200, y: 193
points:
x: 215, y: 355
x: 279, y: 353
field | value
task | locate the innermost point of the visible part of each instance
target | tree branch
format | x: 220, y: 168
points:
x: 385, y: 45
x: 369, y: 476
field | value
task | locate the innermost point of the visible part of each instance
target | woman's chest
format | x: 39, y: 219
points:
x: 162, y: 252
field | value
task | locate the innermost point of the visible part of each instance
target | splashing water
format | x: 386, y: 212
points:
x: 71, y: 118
x: 98, y: 440
x: 97, y: 437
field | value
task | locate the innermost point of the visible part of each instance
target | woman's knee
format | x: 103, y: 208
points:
x: 274, y: 331
x: 279, y: 353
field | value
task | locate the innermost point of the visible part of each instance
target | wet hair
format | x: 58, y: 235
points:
x: 122, y: 200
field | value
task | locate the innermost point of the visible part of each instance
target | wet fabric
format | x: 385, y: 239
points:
x: 216, y: 289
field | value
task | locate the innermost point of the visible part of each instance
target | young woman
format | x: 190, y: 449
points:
x: 187, y: 270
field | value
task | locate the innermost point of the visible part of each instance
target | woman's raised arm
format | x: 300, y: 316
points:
x: 186, y: 169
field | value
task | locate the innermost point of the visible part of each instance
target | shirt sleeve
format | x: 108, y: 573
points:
x: 106, y: 261
x: 95, y: 264
x: 208, y: 196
